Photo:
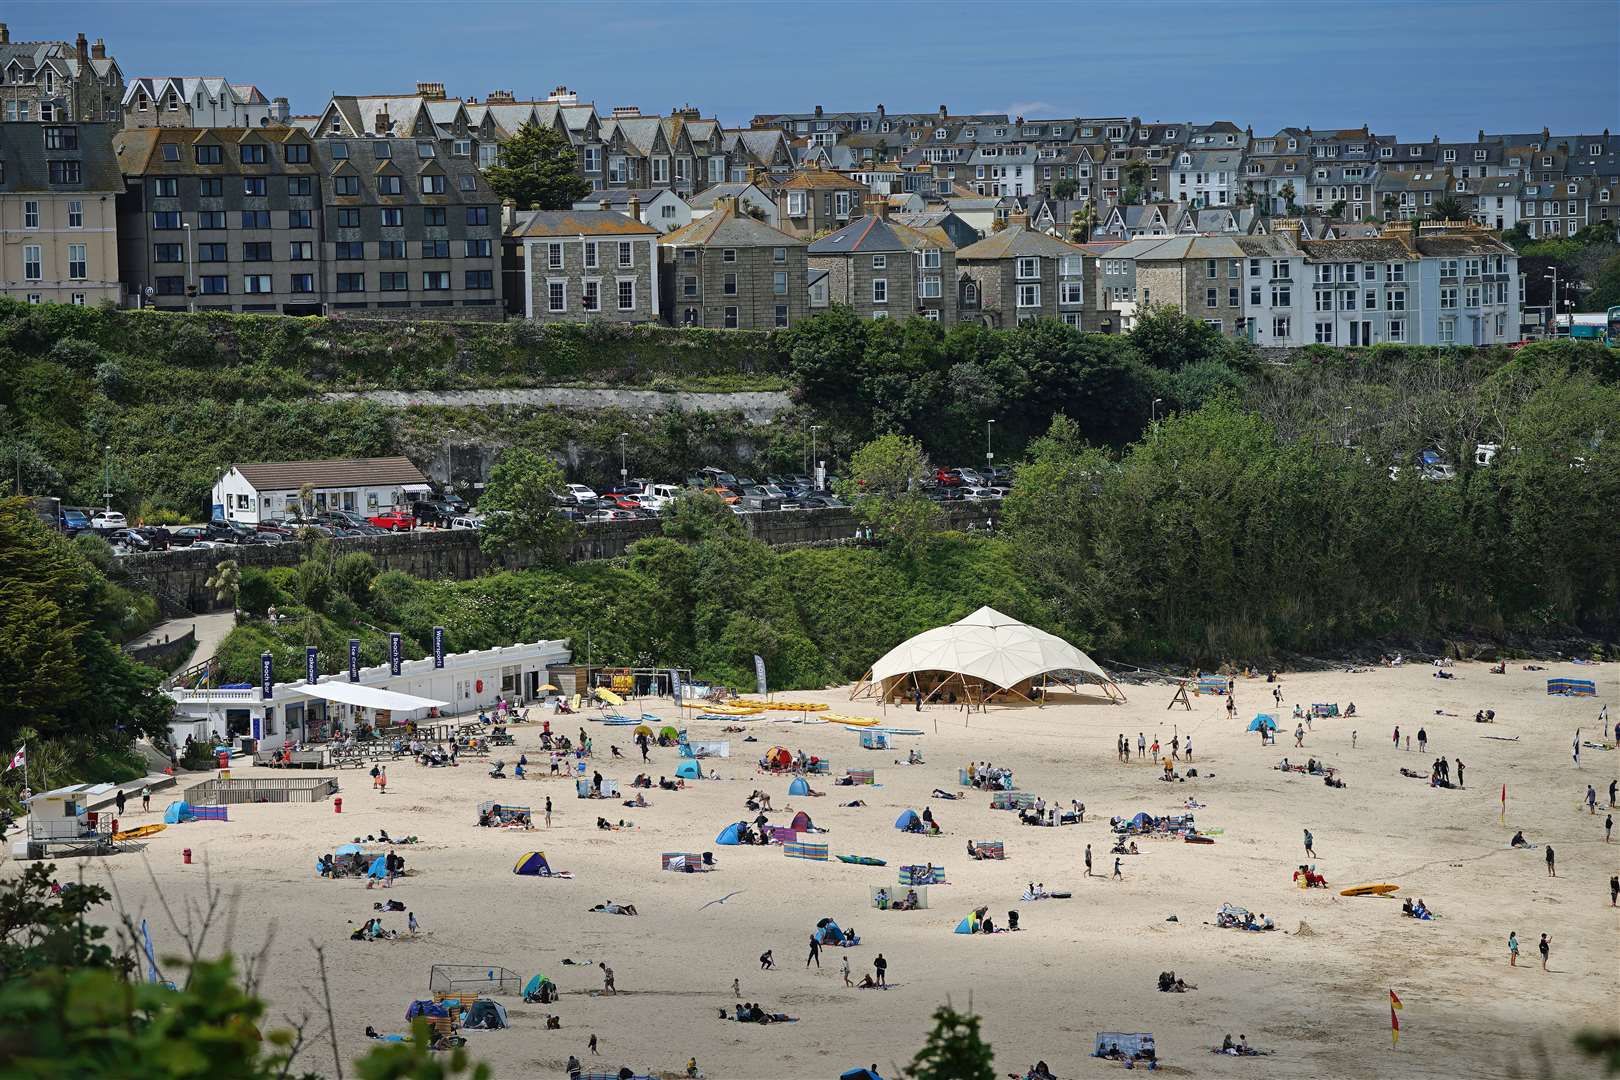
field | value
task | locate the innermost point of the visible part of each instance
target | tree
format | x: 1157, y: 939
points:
x: 1336, y: 211
x: 1065, y: 189
x: 520, y: 509
x: 538, y: 170
x: 1287, y: 192
x: 1082, y: 221
x: 699, y: 515
x: 226, y: 581
x: 1137, y: 176
x: 1166, y: 338
x: 306, y: 500
x: 1448, y: 208
x: 886, y: 489
x: 352, y: 575
x: 955, y: 1050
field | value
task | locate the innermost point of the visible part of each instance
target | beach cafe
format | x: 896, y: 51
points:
x: 305, y: 710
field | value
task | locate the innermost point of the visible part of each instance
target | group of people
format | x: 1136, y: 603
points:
x: 909, y: 902
x: 1169, y: 984
x: 751, y: 1013
x: 1416, y: 909
x: 988, y: 777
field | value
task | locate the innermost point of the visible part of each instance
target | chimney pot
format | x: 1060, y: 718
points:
x: 5, y: 34
x: 98, y: 51
x: 633, y: 208
x: 603, y: 204
x: 82, y: 47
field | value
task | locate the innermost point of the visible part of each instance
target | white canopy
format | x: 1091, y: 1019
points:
x: 990, y: 646
x: 369, y: 697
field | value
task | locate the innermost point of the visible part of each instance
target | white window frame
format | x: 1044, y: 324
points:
x: 558, y: 303
x: 1029, y: 295
x: 880, y: 290
x: 622, y: 282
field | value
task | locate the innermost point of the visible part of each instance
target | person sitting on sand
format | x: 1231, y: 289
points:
x: 640, y: 800
x: 1039, y: 1071
x: 867, y: 982
x: 1519, y: 840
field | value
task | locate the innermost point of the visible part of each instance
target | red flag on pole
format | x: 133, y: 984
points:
x: 1394, y: 1021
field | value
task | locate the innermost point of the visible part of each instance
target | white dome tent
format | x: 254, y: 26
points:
x: 983, y: 656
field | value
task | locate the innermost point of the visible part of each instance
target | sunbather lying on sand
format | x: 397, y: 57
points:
x: 610, y: 908
x: 942, y: 794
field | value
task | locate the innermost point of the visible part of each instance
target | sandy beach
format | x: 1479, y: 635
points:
x: 1318, y: 1002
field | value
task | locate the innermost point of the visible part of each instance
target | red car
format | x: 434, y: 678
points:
x: 393, y: 521
x: 947, y: 478
x: 625, y: 502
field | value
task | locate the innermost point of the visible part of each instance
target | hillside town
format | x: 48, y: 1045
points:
x: 194, y: 193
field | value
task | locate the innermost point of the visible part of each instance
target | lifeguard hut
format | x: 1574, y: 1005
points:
x: 61, y: 822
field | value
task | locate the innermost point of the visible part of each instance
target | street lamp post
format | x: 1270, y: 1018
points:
x: 815, y: 468
x: 1552, y: 331
x: 624, y: 469
x: 191, y: 287
x: 989, y: 455
x: 106, y: 477
x: 1153, y: 416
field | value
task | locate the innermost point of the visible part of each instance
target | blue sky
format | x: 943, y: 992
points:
x: 1412, y: 69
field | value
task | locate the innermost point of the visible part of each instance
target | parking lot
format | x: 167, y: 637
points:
x: 639, y: 498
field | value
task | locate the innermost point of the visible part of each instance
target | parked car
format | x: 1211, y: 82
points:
x: 187, y: 535
x: 947, y: 478
x: 977, y: 494
x: 74, y: 520
x: 579, y: 493
x: 157, y: 539
x: 127, y: 540
x: 970, y: 477
x: 393, y: 521
x: 610, y: 515
x: 755, y: 497
x: 108, y: 519
x: 279, y: 527
x: 467, y: 521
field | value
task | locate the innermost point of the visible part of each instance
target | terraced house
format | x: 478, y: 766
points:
x: 886, y: 270
x: 1019, y: 274
x: 815, y: 202
x: 49, y: 82
x: 407, y: 223
x: 59, y: 186
x: 730, y: 271
x: 221, y: 218
x: 586, y: 265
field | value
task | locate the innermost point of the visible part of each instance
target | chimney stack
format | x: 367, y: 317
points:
x: 942, y: 112
x: 880, y: 110
x: 98, y: 51
x: 1019, y: 218
x: 603, y: 204
x: 5, y: 34
x: 280, y: 110
x: 81, y: 47
x: 433, y: 91
x: 818, y: 110
x: 878, y: 208
x: 382, y: 125
x: 633, y: 208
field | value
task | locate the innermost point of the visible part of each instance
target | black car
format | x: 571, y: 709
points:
x: 438, y: 512
x: 128, y: 540
x: 157, y: 539
x: 224, y: 532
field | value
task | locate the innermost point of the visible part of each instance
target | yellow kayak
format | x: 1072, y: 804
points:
x: 1369, y: 890
x: 853, y: 721
x: 139, y: 834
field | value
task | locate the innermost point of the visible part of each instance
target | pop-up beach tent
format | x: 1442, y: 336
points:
x: 689, y: 770
x: 908, y: 821
x: 1263, y: 720
x: 980, y: 657
x: 731, y: 835
x: 532, y: 864
x: 799, y: 786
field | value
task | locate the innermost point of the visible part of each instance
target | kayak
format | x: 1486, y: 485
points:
x: 1191, y: 839
x: 1369, y: 890
x: 862, y: 860
x: 138, y: 834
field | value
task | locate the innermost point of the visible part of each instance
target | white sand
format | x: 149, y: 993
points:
x: 1320, y: 1003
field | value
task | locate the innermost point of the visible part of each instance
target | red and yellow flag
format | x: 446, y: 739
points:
x: 1394, y: 1021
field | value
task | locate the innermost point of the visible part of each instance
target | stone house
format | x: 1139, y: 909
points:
x: 581, y: 265
x: 1020, y: 274
x: 731, y: 271
x: 816, y: 202
x: 885, y: 270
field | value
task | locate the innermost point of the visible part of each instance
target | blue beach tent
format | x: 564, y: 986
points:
x: 908, y: 820
x: 798, y: 787
x: 1263, y: 720
x: 178, y: 812
x: 689, y: 770
x: 730, y: 835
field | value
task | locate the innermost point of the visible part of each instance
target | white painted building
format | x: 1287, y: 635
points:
x: 253, y: 493
x: 660, y: 208
x: 1201, y: 178
x: 296, y: 711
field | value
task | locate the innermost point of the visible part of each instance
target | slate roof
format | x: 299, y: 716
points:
x: 819, y: 178
x: 727, y: 229
x: 334, y: 472
x: 1015, y: 241
x: 576, y: 223
x: 875, y: 234
x: 22, y: 150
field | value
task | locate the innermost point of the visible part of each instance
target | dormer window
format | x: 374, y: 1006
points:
x: 1386, y: 151
x: 1570, y: 188
x: 1169, y: 133
x: 941, y: 133
x: 967, y: 133
x: 1547, y: 162
x: 1416, y: 151
x: 1001, y: 132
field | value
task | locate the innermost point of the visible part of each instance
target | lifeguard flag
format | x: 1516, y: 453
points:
x: 1394, y: 1021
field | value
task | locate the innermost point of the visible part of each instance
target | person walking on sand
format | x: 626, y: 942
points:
x: 1460, y: 768
x: 1513, y: 949
x: 593, y: 1044
x: 375, y: 772
x: 1088, y: 860
x: 1423, y: 740
x: 411, y: 925
x: 119, y: 802
x: 1608, y: 827
x: 1591, y: 799
x: 1614, y: 891
x: 1299, y: 734
x: 1546, y: 950
x: 815, y: 953
x: 548, y: 811
x: 1141, y: 745
x: 736, y: 988
x: 1552, y: 868
x: 382, y: 781
x: 1397, y: 736
x: 1612, y: 785
x: 1117, y: 875
x: 1175, y: 747
x: 607, y: 980
x: 1231, y: 707
x: 146, y: 799
x: 844, y: 971
x: 1577, y: 747
x: 1309, y: 843
x: 1188, y: 748
x: 881, y: 966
